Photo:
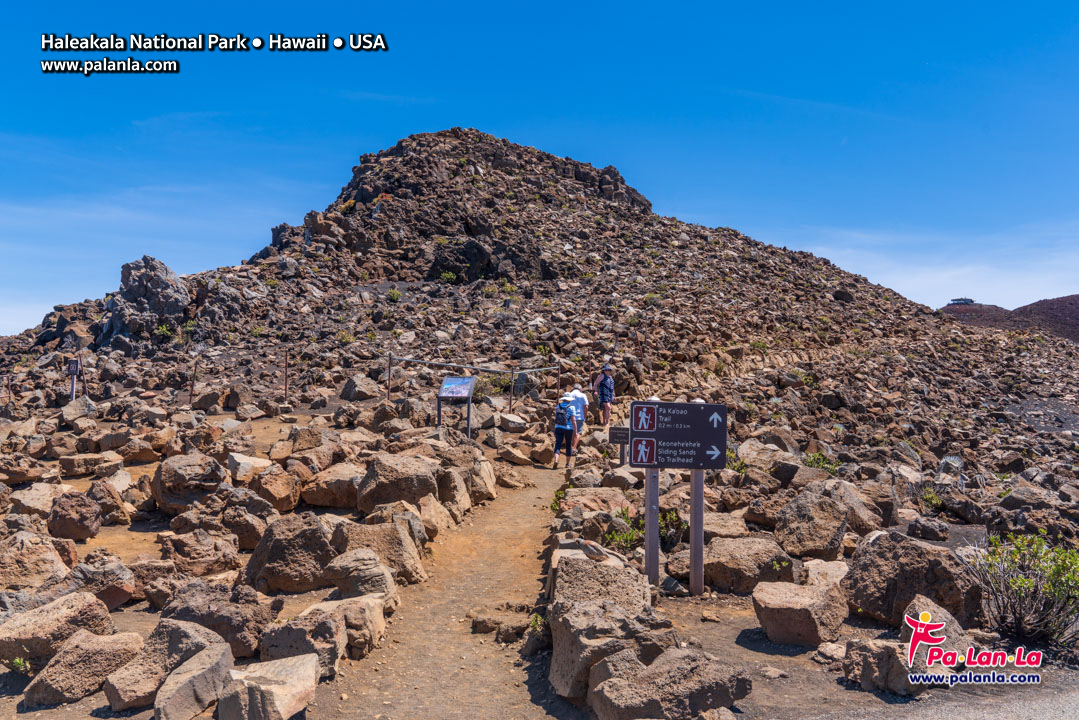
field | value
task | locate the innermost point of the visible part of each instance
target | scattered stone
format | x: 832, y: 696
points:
x: 800, y: 614
x: 274, y: 690
x: 80, y: 666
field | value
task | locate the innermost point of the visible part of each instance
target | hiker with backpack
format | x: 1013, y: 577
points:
x: 580, y: 407
x: 604, y: 390
x: 565, y: 428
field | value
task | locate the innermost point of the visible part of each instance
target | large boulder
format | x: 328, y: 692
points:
x: 183, y: 480
x: 202, y: 553
x: 277, y: 486
x: 681, y: 684
x: 319, y: 632
x: 334, y: 487
x: 80, y: 667
x: 955, y: 639
x: 736, y: 565
x: 36, y: 635
x: 360, y: 387
x: 28, y: 560
x: 101, y: 574
x: 812, y: 525
x: 37, y: 499
x: 391, y: 541
x: 882, y: 665
x: 596, y: 610
x: 235, y: 615
x: 274, y: 690
x: 79, y: 408
x: 194, y: 685
x: 150, y: 293
x: 74, y: 516
x: 291, y: 555
x: 171, y: 643
x: 800, y: 614
x: 358, y: 572
x: 390, y: 478
x: 888, y: 569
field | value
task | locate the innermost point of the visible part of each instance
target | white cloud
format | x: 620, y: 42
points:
x: 1009, y: 268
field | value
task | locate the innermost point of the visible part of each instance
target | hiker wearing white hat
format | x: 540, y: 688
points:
x: 565, y: 427
x: 580, y: 406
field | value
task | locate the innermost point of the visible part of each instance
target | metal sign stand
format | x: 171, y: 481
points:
x: 651, y: 525
x: 677, y: 435
x: 457, y: 389
x: 696, y: 533
x: 74, y: 367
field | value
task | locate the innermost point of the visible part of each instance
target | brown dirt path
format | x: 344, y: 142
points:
x: 431, y: 665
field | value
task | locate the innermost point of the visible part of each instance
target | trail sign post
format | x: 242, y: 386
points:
x: 457, y: 389
x: 689, y: 436
x: 73, y: 370
x: 619, y: 435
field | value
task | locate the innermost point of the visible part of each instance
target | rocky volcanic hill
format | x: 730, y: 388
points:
x: 1059, y: 316
x: 852, y: 410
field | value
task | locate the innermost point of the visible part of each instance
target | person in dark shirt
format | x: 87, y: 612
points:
x: 604, y: 389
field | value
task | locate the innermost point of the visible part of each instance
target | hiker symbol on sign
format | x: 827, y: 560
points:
x: 644, y: 451
x: 644, y: 420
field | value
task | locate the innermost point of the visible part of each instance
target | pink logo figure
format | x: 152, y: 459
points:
x: 644, y: 420
x: 922, y: 632
x: 644, y: 451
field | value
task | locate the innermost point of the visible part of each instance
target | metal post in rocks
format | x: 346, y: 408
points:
x: 389, y: 375
x: 651, y: 524
x: 286, y: 376
x: 73, y: 370
x: 513, y: 386
x: 194, y: 375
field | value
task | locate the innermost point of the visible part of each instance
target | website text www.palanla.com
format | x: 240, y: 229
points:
x: 974, y: 678
x: 108, y: 65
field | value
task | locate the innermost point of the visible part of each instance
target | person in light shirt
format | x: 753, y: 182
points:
x: 580, y: 407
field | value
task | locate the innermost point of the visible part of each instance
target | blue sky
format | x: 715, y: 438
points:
x: 932, y: 149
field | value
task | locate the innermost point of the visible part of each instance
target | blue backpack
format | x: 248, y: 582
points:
x: 562, y: 415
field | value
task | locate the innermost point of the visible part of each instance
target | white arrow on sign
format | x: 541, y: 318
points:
x: 713, y: 453
x: 716, y: 419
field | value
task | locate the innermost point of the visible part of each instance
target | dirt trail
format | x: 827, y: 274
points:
x: 431, y: 665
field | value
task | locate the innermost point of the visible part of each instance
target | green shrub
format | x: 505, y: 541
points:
x: 393, y: 295
x: 651, y: 299
x: 556, y: 504
x: 449, y: 277
x: 345, y: 338
x: 20, y: 665
x: 348, y: 206
x: 735, y: 463
x: 1030, y: 588
x: 822, y: 462
x: 931, y: 500
x: 163, y: 331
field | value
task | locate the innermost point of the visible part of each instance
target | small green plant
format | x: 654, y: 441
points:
x: 163, y: 331
x: 556, y: 503
x: 931, y: 500
x: 760, y: 345
x: 624, y: 541
x: 735, y: 463
x: 257, y: 331
x: 822, y: 462
x: 393, y: 295
x: 777, y: 565
x: 671, y: 528
x: 20, y: 665
x: 348, y: 206
x: 651, y: 299
x: 345, y: 338
x: 449, y: 277
x: 490, y: 290
x: 1030, y: 587
x: 537, y: 624
x: 272, y: 283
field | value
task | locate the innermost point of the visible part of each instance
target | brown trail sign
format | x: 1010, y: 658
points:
x: 677, y: 436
